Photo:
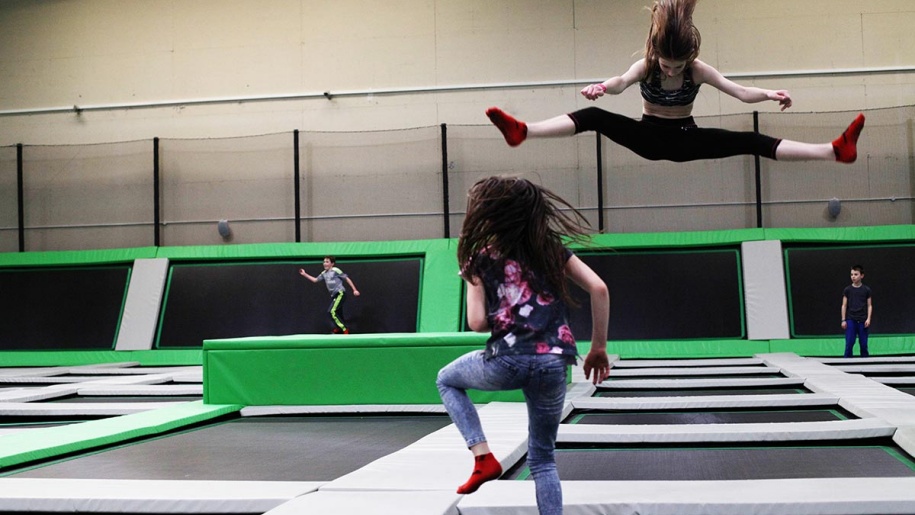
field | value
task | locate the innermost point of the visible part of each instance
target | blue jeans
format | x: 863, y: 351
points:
x: 855, y: 329
x: 542, y: 379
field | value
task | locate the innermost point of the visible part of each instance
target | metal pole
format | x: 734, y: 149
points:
x: 759, y: 223
x: 21, y: 196
x: 445, y: 205
x: 295, y: 186
x: 156, y: 240
x: 600, y: 186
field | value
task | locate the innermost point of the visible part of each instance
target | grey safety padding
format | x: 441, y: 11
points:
x: 764, y: 290
x: 141, y: 311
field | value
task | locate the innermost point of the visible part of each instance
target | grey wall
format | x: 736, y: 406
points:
x: 251, y: 72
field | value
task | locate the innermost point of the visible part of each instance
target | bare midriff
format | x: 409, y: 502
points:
x: 671, y: 112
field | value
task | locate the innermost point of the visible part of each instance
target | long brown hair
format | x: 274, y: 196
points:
x: 513, y: 218
x: 672, y: 34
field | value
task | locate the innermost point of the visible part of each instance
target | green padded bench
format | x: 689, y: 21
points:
x: 300, y: 370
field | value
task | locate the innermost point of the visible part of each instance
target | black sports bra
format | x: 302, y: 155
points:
x: 653, y: 94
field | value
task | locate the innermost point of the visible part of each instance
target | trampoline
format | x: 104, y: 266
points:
x: 719, y: 416
x: 714, y: 435
x: 301, y: 448
x: 705, y: 463
x: 696, y: 392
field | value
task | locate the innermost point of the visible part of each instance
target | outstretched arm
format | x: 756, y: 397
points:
x: 353, y: 286
x: 304, y: 274
x: 705, y: 74
x: 616, y: 85
x: 596, y: 360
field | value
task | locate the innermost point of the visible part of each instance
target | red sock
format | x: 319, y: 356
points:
x: 514, y: 131
x: 485, y: 468
x: 846, y: 145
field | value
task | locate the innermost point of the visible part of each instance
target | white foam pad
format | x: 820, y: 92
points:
x: 701, y: 383
x: 371, y: 503
x: 9, y: 409
x: 703, y: 402
x: 140, y: 390
x: 691, y: 371
x: 259, y: 411
x: 152, y: 496
x: 774, y: 432
x: 710, y: 362
x: 829, y: 496
x: 441, y: 461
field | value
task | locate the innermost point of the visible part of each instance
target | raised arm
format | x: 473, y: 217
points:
x: 596, y: 360
x: 304, y: 274
x: 705, y: 74
x: 616, y: 85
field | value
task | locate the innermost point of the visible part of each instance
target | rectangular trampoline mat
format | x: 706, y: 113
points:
x: 695, y: 392
x: 282, y: 448
x: 716, y: 464
x: 705, y: 416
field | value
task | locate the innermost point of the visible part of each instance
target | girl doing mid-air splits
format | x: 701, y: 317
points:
x: 512, y: 257
x: 669, y: 78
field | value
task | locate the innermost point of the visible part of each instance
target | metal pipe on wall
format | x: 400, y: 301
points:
x: 428, y: 89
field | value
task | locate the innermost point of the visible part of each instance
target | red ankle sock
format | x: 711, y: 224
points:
x: 485, y: 468
x: 846, y: 145
x: 514, y: 131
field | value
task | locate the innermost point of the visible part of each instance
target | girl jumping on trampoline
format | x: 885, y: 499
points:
x: 669, y: 78
x: 512, y: 257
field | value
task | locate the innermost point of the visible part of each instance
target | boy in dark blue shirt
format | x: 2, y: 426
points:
x: 856, y: 312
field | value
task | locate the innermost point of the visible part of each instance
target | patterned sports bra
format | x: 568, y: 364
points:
x: 653, y: 94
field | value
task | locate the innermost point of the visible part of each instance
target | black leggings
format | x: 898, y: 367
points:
x: 672, y: 139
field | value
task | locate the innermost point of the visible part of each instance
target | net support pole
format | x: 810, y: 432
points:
x: 20, y: 199
x: 445, y: 207
x: 295, y: 185
x: 600, y: 185
x: 156, y: 200
x: 759, y: 223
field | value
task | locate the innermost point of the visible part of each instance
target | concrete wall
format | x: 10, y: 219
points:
x: 99, y: 52
x: 420, y: 63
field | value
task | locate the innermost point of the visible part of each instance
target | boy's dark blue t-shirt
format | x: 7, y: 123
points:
x: 856, y: 309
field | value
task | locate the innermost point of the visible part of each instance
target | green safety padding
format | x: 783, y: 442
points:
x: 75, y: 257
x: 335, y: 370
x: 440, y: 294
x: 439, y: 297
x: 672, y: 239
x: 876, y: 346
x: 64, y: 358
x: 310, y: 250
x: 686, y: 348
x: 323, y: 341
x: 884, y: 233
x: 42, y: 444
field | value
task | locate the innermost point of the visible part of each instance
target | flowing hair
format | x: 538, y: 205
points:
x: 672, y: 34
x: 512, y: 218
